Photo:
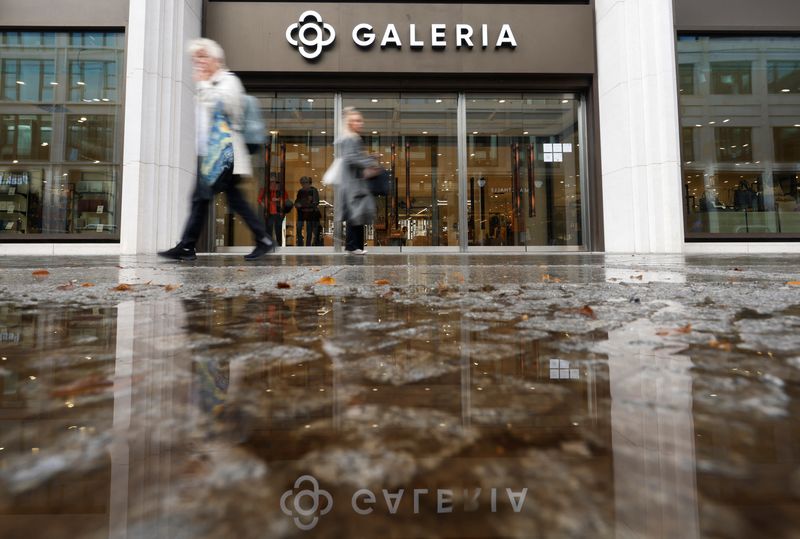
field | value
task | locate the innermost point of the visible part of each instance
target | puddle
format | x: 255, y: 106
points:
x: 265, y: 417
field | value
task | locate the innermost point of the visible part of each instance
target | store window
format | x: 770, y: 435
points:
x: 60, y: 135
x: 740, y: 131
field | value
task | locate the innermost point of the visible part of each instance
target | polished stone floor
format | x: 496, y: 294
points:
x: 573, y: 396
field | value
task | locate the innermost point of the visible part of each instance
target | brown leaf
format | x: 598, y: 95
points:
x: 327, y: 281
x: 94, y: 383
x: 171, y: 287
x: 66, y: 286
x: 459, y: 277
x: 240, y: 270
x: 284, y: 286
x: 122, y: 287
x: 724, y: 346
x: 684, y: 330
x: 547, y: 278
x: 87, y: 285
x: 793, y: 283
x: 588, y: 312
x: 662, y: 333
x: 382, y: 282
x: 40, y: 273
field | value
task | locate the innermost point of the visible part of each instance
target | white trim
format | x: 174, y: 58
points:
x: 50, y: 249
x: 742, y: 248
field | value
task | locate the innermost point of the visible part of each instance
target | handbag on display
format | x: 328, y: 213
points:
x: 333, y: 176
x: 379, y: 181
x: 218, y: 160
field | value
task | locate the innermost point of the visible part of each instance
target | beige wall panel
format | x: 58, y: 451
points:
x: 64, y: 13
x: 551, y: 39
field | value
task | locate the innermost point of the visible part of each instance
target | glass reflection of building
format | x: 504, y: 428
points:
x: 740, y: 117
x: 60, y: 134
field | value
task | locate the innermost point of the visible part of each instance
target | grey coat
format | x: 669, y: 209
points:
x: 354, y: 202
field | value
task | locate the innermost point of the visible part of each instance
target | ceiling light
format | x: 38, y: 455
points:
x: 424, y: 132
x: 21, y: 83
x: 15, y: 161
x: 726, y: 120
x: 310, y: 100
x: 45, y: 144
x: 97, y: 162
x: 374, y: 132
x: 525, y: 133
x: 80, y: 83
x: 474, y: 132
x: 323, y: 132
x: 83, y: 118
x: 565, y: 101
x: 438, y: 100
x: 785, y: 90
x: 53, y: 83
x: 698, y: 125
x: 502, y: 101
x: 375, y: 100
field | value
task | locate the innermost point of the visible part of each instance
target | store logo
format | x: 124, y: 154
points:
x: 305, y: 506
x: 306, y: 518
x: 313, y: 35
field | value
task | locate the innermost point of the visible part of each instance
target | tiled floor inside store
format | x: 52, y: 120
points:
x: 577, y: 396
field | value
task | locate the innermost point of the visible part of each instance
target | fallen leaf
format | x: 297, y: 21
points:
x: 66, y: 286
x: 684, y: 330
x: 240, y: 270
x: 87, y: 285
x: 94, y: 383
x: 122, y: 287
x: 550, y: 279
x: 662, y: 333
x: 793, y: 283
x: 40, y: 273
x: 588, y: 312
x: 459, y: 277
x: 284, y: 286
x: 382, y: 282
x: 327, y: 281
x: 171, y: 287
x: 724, y: 346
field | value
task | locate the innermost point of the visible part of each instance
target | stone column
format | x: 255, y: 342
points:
x: 159, y: 155
x: 639, y: 126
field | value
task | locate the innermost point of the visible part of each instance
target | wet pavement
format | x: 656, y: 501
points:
x: 400, y: 396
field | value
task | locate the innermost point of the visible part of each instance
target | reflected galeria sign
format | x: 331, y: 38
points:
x: 311, y: 35
x: 307, y: 502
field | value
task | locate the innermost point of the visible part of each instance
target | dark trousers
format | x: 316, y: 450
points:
x: 312, y: 232
x: 354, y: 237
x: 236, y: 202
x: 275, y: 228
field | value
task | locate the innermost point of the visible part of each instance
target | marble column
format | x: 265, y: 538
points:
x: 159, y: 156
x: 639, y: 126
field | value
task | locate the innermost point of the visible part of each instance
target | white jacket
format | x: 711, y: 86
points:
x: 225, y: 87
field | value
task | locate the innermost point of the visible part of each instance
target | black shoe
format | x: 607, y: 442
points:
x: 179, y: 252
x: 262, y: 248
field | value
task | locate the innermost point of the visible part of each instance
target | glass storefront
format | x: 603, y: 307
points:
x: 60, y: 135
x: 740, y: 134
x: 522, y: 187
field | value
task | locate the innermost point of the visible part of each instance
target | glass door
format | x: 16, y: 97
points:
x: 415, y: 136
x: 524, y: 171
x: 287, y: 171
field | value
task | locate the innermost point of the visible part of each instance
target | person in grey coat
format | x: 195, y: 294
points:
x: 354, y: 202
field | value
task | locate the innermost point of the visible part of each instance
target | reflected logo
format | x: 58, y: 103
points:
x: 305, y: 504
x: 313, y: 35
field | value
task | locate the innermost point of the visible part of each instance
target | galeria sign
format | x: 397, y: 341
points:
x: 311, y: 35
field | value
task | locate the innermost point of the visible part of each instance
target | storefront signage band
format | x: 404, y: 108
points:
x: 311, y: 35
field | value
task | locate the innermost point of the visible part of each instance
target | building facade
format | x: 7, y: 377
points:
x: 635, y: 126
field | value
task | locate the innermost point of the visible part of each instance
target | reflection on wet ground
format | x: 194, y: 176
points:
x: 610, y: 407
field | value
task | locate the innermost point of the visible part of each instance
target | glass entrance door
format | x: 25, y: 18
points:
x: 415, y: 136
x: 524, y: 171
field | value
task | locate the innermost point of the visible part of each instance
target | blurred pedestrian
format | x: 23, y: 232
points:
x: 219, y: 94
x: 354, y: 201
x: 308, y: 214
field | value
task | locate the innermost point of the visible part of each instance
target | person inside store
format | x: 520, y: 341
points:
x: 276, y: 206
x: 308, y: 214
x: 218, y: 88
x: 354, y: 200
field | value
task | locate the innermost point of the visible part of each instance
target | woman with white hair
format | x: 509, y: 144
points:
x: 216, y: 86
x: 354, y: 201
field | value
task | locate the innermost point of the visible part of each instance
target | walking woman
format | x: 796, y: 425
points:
x: 354, y: 202
x: 217, y: 86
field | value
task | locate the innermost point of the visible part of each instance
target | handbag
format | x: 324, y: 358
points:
x: 218, y: 160
x: 333, y: 176
x: 379, y: 181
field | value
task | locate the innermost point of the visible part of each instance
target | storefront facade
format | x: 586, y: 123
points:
x: 634, y: 126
